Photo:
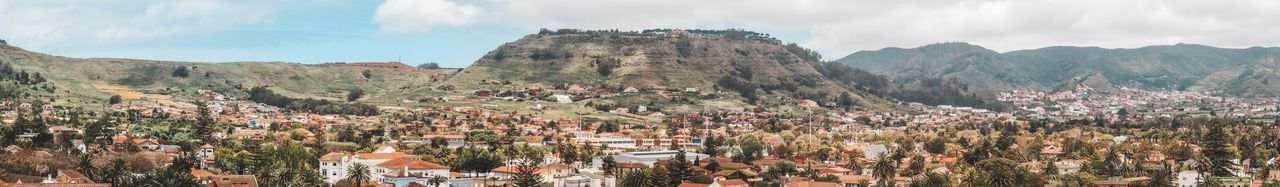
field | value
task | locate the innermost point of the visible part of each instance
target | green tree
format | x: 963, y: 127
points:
x: 1219, y: 151
x: 85, y: 166
x: 526, y: 168
x: 937, y: 145
x: 1002, y: 172
x: 932, y: 179
x: 429, y: 65
x: 358, y: 174
x: 437, y: 180
x: 117, y: 173
x: 679, y: 169
x: 354, y: 94
x: 1050, y: 168
x: 916, y: 165
x: 1079, y: 179
x: 658, y: 176
x: 115, y: 99
x: 178, y: 173
x: 713, y: 166
x: 884, y: 168
x: 711, y: 146
x: 749, y: 149
x: 609, y: 165
x: 633, y: 179
x: 180, y: 71
x: 203, y: 129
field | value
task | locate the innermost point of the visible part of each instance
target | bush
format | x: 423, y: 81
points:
x: 266, y: 96
x: 429, y: 65
x: 605, y: 66
x: 181, y: 71
x: 354, y: 94
x: 115, y: 99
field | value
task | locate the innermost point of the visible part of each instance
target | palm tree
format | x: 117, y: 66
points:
x: 437, y: 180
x: 933, y: 179
x: 86, y: 167
x: 884, y: 168
x: 358, y: 174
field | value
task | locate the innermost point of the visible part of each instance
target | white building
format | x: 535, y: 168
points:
x: 1189, y: 178
x: 334, y: 165
x: 647, y: 158
x: 404, y: 171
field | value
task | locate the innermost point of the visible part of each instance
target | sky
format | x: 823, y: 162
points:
x: 455, y: 33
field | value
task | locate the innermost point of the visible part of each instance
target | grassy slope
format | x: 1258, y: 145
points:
x: 78, y: 81
x: 648, y: 61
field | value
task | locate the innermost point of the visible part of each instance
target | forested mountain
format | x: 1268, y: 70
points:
x: 1243, y: 72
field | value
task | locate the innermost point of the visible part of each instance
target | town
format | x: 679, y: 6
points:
x: 1070, y: 138
x: 648, y: 93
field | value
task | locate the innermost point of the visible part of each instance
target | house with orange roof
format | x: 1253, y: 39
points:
x: 855, y: 180
x: 334, y: 165
x: 811, y: 184
x: 404, y: 171
x: 232, y: 181
x: 730, y: 183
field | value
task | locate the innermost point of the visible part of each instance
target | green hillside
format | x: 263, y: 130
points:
x: 758, y: 69
x: 1172, y: 67
x: 89, y: 82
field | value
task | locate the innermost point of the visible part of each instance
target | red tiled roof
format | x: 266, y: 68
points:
x: 381, y: 156
x: 855, y: 178
x: 445, y: 136
x: 334, y: 156
x: 811, y: 184
x: 199, y: 173
x: 631, y: 165
x: 692, y: 185
x: 411, y: 163
x: 732, y: 182
x: 73, y: 174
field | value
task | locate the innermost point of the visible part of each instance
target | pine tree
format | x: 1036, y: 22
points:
x: 203, y: 128
x: 658, y: 176
x: 633, y: 179
x: 1219, y: 151
x: 711, y: 146
x: 526, y: 169
x: 679, y: 169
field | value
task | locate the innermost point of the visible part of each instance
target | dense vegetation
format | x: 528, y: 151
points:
x: 7, y: 72
x: 266, y: 96
x: 1245, y: 72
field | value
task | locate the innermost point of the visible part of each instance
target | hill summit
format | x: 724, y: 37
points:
x: 756, y: 68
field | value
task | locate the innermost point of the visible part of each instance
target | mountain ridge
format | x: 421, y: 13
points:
x: 1172, y: 67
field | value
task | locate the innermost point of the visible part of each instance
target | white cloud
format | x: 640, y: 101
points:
x: 839, y: 27
x: 422, y: 15
x: 41, y: 24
